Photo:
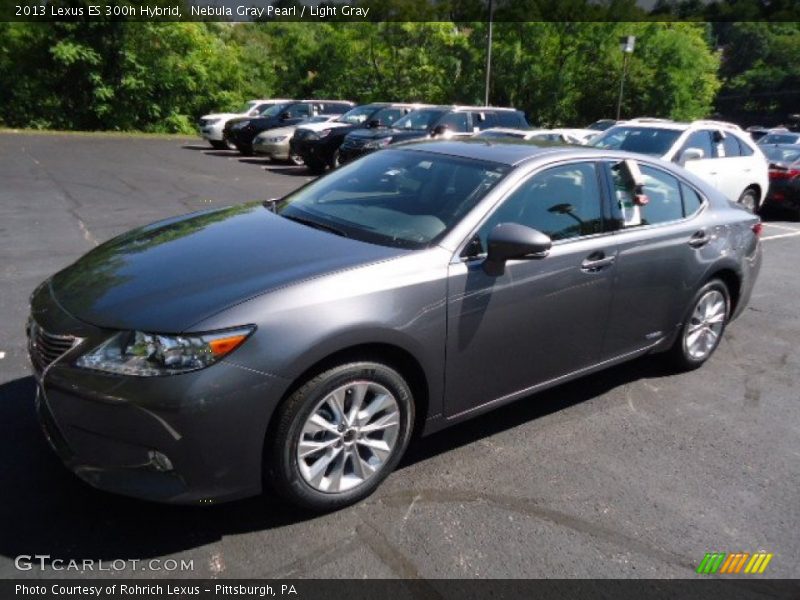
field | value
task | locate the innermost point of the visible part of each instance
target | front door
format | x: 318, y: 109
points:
x: 543, y: 317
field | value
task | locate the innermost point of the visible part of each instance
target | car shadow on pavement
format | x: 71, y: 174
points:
x: 45, y: 509
x: 293, y: 170
x: 196, y: 147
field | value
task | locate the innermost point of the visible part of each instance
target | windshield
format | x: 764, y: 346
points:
x: 782, y: 154
x: 645, y: 140
x: 275, y: 109
x: 358, y: 115
x: 419, y: 119
x: 402, y: 198
x: 780, y: 138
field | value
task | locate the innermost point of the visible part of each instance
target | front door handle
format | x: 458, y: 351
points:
x: 699, y: 239
x: 596, y: 261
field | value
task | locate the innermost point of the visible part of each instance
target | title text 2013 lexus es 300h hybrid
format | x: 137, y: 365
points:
x: 298, y: 343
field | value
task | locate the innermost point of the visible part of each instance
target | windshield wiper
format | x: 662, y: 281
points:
x: 316, y: 225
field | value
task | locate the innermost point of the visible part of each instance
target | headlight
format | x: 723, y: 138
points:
x: 212, y: 121
x: 240, y: 124
x: 381, y: 143
x: 149, y: 354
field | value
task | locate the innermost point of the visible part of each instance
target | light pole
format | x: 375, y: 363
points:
x: 626, y: 44
x: 488, y: 55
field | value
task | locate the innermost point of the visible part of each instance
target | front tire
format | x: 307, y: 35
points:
x: 703, y: 326
x: 749, y: 200
x: 296, y: 160
x: 339, y: 435
x: 218, y: 144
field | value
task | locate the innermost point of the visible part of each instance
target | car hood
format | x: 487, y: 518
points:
x: 324, y: 125
x: 167, y: 276
x: 277, y: 132
x: 377, y: 133
x: 221, y: 116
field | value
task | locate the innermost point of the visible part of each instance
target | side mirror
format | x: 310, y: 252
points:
x: 285, y: 115
x: 373, y: 123
x: 441, y: 130
x: 690, y: 154
x: 509, y: 241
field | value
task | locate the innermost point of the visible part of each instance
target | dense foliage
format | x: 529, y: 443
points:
x: 162, y: 76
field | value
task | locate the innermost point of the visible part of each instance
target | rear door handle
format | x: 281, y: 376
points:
x: 699, y: 239
x: 596, y: 261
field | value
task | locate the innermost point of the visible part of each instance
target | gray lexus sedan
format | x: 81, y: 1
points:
x: 300, y: 342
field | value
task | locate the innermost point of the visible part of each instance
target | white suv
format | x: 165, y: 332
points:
x: 721, y: 153
x: 211, y: 126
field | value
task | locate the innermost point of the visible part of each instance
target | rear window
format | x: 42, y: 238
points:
x: 782, y: 154
x: 645, y: 140
x: 780, y: 138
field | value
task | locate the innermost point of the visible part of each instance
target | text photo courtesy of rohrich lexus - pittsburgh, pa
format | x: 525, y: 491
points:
x: 401, y: 298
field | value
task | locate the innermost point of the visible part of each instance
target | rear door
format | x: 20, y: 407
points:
x: 660, y: 249
x: 543, y: 317
x: 707, y: 167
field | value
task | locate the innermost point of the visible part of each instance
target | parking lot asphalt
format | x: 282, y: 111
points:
x: 633, y: 472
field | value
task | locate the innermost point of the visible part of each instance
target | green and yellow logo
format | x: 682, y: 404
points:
x: 738, y: 562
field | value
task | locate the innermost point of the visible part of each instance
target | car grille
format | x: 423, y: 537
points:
x: 46, y: 347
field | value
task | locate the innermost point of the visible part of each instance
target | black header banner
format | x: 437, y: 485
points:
x: 399, y: 10
x: 396, y: 589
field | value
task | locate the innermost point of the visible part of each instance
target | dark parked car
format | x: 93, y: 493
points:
x: 318, y: 145
x: 784, y: 177
x: 301, y: 341
x: 430, y: 122
x: 241, y: 131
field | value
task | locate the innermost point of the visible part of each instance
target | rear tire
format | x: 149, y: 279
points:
x: 339, y: 435
x: 749, y: 200
x: 702, y: 327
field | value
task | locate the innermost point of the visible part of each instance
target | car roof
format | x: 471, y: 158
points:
x: 506, y: 152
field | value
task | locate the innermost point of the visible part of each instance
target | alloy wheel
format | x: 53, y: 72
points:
x: 705, y: 325
x: 348, y: 437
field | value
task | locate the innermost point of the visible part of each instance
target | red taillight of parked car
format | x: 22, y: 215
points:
x: 780, y: 174
x: 757, y: 228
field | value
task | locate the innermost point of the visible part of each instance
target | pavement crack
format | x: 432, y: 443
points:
x: 318, y: 558
x: 532, y: 508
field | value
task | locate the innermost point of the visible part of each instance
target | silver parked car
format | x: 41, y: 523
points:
x: 274, y: 143
x: 300, y: 342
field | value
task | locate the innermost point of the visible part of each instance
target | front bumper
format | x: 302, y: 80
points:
x: 212, y: 133
x: 115, y: 431
x: 274, y: 150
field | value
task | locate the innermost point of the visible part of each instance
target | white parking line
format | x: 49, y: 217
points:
x: 780, y: 235
x: 781, y: 227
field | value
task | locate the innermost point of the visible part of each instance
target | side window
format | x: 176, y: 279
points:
x: 662, y: 192
x: 744, y: 148
x: 691, y: 200
x: 391, y: 115
x: 701, y: 139
x: 456, y: 121
x: 507, y: 118
x: 730, y: 146
x: 299, y: 110
x: 563, y: 202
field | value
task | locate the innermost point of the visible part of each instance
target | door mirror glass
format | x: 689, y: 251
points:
x: 373, y: 123
x: 690, y: 154
x: 509, y: 241
x: 441, y: 130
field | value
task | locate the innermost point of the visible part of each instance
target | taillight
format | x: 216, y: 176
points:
x: 757, y: 228
x: 783, y: 173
